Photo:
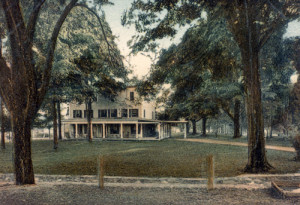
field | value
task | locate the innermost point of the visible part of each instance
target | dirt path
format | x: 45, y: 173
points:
x: 67, y: 189
x: 279, y: 148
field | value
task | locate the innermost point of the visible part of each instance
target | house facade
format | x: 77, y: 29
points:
x: 128, y: 116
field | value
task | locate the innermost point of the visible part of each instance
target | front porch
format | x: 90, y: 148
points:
x: 119, y: 129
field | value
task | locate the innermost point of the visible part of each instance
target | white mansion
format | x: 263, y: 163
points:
x: 126, y: 117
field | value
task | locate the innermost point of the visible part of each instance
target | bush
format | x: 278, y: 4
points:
x: 296, y: 144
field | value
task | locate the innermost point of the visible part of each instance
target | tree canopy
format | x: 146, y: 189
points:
x: 251, y: 23
x: 24, y: 81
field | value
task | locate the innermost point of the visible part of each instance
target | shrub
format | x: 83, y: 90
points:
x: 296, y: 144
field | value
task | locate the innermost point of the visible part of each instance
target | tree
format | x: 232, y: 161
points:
x: 95, y: 77
x: 2, y: 124
x: 206, y: 84
x: 276, y: 71
x: 24, y: 83
x: 294, y: 106
x: 251, y: 22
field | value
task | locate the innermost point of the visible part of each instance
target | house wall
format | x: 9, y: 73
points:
x: 122, y: 101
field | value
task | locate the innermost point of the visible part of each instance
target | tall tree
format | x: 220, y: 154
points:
x: 95, y: 77
x: 2, y: 124
x: 23, y: 84
x: 251, y: 23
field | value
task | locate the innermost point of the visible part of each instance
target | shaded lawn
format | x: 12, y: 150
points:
x: 168, y: 158
x: 275, y: 141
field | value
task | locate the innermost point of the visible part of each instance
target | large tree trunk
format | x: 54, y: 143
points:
x: 2, y: 126
x: 22, y: 146
x: 236, y: 119
x: 250, y: 41
x: 59, y: 120
x: 54, y: 114
x: 194, y: 127
x: 204, y: 126
x: 89, y: 119
x: 257, y: 161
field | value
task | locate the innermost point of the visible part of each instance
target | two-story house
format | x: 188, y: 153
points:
x: 128, y: 116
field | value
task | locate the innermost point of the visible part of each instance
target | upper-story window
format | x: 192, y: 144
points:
x: 131, y: 96
x: 114, y: 112
x: 91, y: 114
x: 102, y: 113
x: 133, y: 113
x: 124, y: 113
x: 77, y: 114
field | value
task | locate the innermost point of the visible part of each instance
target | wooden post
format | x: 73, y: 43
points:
x: 210, y: 172
x: 100, y: 172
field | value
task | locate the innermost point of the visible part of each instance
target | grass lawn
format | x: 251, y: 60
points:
x: 168, y: 158
x: 276, y: 141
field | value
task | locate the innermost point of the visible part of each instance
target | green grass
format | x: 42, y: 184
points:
x: 168, y: 158
x: 276, y: 141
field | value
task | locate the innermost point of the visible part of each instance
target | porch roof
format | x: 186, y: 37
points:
x: 112, y: 121
x: 121, y: 121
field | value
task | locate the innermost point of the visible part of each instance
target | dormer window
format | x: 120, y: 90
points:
x: 131, y: 96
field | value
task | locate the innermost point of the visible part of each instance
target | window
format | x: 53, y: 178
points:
x: 91, y: 113
x: 77, y: 114
x: 124, y: 113
x: 131, y: 96
x: 144, y: 113
x: 133, y: 113
x: 114, y: 112
x: 102, y: 113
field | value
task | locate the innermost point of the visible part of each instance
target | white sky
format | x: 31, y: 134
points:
x: 141, y: 64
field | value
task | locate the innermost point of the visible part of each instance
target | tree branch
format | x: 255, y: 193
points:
x: 275, y: 25
x: 5, y: 83
x: 109, y: 47
x: 51, y: 48
x: 33, y: 20
x: 15, y: 25
x: 227, y: 111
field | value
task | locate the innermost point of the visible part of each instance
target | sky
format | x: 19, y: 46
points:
x: 139, y: 63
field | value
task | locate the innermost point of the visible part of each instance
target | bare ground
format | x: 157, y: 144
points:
x: 84, y: 190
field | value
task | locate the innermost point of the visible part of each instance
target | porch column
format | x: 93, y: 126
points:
x: 185, y: 130
x: 76, y: 130
x: 170, y: 130
x: 103, y: 130
x: 121, y: 130
x: 91, y: 128
x: 63, y: 133
x: 142, y: 134
x: 70, y: 130
x: 159, y: 136
x: 137, y: 130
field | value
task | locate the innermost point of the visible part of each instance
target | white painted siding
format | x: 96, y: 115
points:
x: 122, y: 101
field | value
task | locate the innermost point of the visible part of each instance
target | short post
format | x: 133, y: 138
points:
x: 100, y: 172
x: 210, y: 172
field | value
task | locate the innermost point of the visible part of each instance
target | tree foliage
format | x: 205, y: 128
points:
x: 251, y: 23
x: 23, y: 80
